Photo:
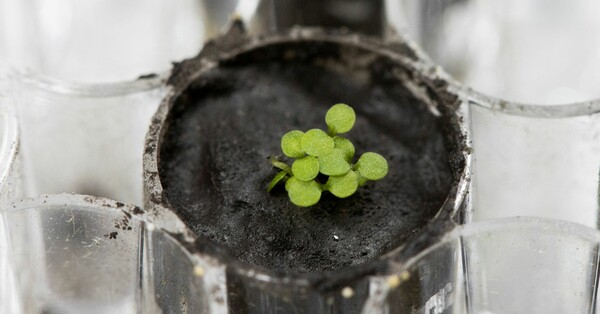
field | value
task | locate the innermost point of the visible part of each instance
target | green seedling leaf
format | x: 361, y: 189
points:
x: 316, y: 142
x: 372, y: 166
x: 325, y: 156
x: 303, y: 193
x: 334, y: 163
x: 278, y: 177
x: 291, y: 144
x: 340, y: 118
x: 343, y: 186
x: 306, y: 169
x: 345, y: 145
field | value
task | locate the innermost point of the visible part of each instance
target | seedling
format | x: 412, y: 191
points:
x: 323, y: 161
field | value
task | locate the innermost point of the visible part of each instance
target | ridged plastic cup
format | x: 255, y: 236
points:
x: 530, y: 71
x: 82, y: 254
x: 86, y: 93
x: 510, y: 265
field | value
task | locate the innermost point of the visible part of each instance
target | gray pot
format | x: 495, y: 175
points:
x: 246, y: 288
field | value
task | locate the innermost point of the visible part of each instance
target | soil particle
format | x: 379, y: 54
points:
x: 112, y: 235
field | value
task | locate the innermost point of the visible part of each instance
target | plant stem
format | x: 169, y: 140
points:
x: 281, y: 165
x: 331, y: 132
x: 281, y: 176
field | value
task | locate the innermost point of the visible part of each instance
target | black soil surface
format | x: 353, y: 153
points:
x: 214, y: 166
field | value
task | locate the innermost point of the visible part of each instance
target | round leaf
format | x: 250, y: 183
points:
x: 291, y: 144
x: 372, y: 166
x: 343, y: 186
x: 340, y: 118
x: 306, y: 169
x: 316, y: 142
x: 334, y: 163
x: 303, y: 193
x: 345, y: 145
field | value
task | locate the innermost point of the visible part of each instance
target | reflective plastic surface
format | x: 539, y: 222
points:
x: 517, y: 265
x: 75, y: 254
x: 538, y: 163
x: 531, y: 159
x: 105, y: 41
x: 527, y: 51
x: 85, y: 140
x: 83, y: 111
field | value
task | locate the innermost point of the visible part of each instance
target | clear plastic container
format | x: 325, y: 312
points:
x: 516, y: 265
x: 540, y: 161
x: 85, y: 139
x: 74, y: 254
x: 86, y: 94
x: 100, y: 41
x: 530, y: 158
x: 526, y: 51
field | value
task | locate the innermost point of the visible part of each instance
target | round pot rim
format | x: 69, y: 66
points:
x: 508, y: 107
x: 75, y: 200
x: 158, y: 207
x: 50, y: 84
x: 529, y: 110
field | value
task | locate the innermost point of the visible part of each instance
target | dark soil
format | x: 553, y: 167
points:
x: 214, y: 163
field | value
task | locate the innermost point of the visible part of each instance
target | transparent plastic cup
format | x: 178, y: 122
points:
x: 530, y: 71
x: 85, y: 94
x: 541, y: 161
x: 105, y: 42
x: 531, y: 51
x: 516, y: 265
x: 75, y: 254
x: 87, y: 140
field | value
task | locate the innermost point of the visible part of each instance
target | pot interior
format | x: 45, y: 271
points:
x: 223, y: 127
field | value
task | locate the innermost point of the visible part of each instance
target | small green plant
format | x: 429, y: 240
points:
x: 323, y: 161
